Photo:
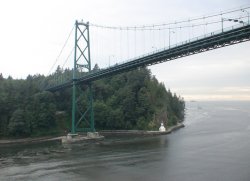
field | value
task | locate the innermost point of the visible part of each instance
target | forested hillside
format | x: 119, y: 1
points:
x: 132, y: 100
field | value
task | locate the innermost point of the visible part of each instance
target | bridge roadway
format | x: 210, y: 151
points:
x: 205, y: 43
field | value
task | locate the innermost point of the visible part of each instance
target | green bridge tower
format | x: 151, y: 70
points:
x: 82, y: 119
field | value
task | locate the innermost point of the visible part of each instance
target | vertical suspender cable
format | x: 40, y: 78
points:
x: 135, y: 41
x: 128, y: 42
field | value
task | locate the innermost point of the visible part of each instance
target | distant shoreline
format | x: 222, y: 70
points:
x: 104, y: 133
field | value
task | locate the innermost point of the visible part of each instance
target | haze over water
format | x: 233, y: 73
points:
x: 214, y: 145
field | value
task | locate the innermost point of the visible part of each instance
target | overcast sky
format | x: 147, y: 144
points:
x: 33, y: 32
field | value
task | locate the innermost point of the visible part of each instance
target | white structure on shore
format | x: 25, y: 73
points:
x: 162, y: 128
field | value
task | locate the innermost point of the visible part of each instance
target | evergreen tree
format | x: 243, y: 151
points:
x: 18, y: 125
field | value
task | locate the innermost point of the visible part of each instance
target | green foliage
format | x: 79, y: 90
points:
x: 132, y: 100
x: 40, y: 112
x: 24, y: 109
x: 18, y: 125
x: 135, y: 100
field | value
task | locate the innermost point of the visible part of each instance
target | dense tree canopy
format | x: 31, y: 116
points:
x: 132, y: 100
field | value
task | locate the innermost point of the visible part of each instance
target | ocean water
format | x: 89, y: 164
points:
x: 213, y: 146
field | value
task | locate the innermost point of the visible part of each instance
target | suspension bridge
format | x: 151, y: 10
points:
x: 137, y: 46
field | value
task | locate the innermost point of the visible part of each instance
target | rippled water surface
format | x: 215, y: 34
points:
x: 214, y: 145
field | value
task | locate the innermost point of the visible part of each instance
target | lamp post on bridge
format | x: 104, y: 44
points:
x: 243, y: 10
x: 169, y: 38
x: 110, y: 57
x: 154, y: 48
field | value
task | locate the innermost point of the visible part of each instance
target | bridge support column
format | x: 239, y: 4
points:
x: 82, y: 104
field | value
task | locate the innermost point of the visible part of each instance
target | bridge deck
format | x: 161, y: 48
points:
x: 205, y: 43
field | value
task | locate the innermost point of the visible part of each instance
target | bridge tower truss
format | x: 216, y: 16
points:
x: 82, y: 104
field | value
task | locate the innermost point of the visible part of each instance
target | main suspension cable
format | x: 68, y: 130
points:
x: 158, y: 26
x: 64, y: 45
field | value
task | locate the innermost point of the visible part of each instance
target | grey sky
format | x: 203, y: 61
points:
x: 33, y: 32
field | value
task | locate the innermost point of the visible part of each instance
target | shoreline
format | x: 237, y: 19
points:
x: 141, y: 132
x: 29, y: 140
x: 103, y: 132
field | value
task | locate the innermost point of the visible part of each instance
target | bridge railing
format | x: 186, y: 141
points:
x: 186, y: 41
